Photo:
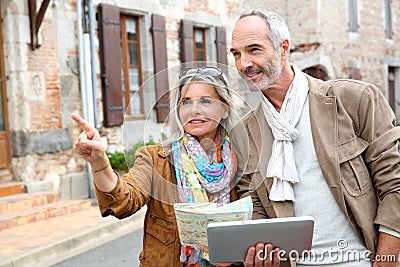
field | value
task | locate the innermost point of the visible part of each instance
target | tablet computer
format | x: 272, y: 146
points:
x: 229, y: 241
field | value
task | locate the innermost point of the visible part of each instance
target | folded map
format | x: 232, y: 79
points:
x: 192, y: 218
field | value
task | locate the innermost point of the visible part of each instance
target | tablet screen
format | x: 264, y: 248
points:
x: 229, y: 241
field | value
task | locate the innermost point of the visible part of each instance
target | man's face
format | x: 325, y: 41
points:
x: 255, y: 56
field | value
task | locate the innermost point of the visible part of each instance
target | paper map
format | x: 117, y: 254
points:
x: 192, y: 218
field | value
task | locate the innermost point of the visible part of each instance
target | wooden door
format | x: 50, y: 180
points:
x: 5, y: 154
x: 317, y: 72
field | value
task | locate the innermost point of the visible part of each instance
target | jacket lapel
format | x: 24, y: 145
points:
x: 324, y: 128
x: 261, y: 132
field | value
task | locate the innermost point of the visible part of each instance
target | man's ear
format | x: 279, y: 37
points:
x: 285, y: 49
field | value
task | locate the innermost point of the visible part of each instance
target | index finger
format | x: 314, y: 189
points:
x: 82, y: 123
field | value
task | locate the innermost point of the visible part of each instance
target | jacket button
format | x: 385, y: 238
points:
x: 166, y: 240
x: 110, y: 198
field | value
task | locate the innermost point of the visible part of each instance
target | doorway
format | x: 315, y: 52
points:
x: 5, y: 153
x: 317, y: 72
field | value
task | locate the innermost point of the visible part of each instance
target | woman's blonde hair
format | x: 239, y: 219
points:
x: 221, y: 87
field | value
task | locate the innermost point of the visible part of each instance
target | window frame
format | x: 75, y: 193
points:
x: 125, y: 66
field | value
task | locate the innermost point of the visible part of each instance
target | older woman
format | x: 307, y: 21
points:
x: 197, y: 166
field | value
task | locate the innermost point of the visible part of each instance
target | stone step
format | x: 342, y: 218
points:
x: 11, y: 188
x: 13, y: 203
x: 5, y: 176
x: 44, y: 212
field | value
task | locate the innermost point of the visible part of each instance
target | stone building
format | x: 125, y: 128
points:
x: 58, y: 57
x: 356, y: 39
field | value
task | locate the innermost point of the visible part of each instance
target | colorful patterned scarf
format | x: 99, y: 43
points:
x: 202, y: 178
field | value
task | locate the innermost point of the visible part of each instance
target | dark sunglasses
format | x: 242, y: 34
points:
x: 206, y: 71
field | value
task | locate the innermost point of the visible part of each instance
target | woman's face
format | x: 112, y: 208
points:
x: 201, y: 109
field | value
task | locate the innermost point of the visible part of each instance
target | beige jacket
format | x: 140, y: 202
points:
x: 150, y: 182
x: 356, y: 145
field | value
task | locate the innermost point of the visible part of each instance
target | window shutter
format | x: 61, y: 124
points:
x: 389, y: 23
x: 353, y: 16
x: 110, y: 60
x: 160, y: 64
x: 220, y: 40
x: 187, y: 45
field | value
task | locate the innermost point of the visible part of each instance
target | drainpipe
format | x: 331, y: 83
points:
x: 92, y: 60
x: 87, y: 65
x: 81, y: 62
x: 88, y: 78
x: 85, y: 80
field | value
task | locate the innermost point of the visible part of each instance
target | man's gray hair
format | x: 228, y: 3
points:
x: 278, y: 30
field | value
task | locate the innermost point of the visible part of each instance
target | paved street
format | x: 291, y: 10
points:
x: 121, y: 252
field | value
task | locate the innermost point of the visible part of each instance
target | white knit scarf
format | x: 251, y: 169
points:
x: 281, y: 166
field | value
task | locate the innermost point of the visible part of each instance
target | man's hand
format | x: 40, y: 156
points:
x: 388, y: 249
x: 261, y: 256
x: 222, y: 264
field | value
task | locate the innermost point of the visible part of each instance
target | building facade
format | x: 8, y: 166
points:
x: 356, y: 39
x: 99, y: 59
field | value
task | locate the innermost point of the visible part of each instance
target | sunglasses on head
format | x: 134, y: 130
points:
x: 206, y: 71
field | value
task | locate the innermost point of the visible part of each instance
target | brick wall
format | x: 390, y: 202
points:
x: 45, y: 111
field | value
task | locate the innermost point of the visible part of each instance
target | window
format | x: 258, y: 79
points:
x: 388, y: 15
x: 121, y: 65
x: 199, y: 44
x: 195, y: 39
x: 391, y: 81
x: 353, y: 16
x: 131, y: 66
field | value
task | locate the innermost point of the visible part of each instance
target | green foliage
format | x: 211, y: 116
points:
x: 164, y: 137
x: 121, y: 160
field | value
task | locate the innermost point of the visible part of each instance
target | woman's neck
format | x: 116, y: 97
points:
x: 208, y: 145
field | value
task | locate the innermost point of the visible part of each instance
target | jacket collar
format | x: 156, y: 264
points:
x: 165, y: 152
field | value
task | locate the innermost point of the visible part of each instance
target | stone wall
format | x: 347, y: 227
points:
x: 42, y: 89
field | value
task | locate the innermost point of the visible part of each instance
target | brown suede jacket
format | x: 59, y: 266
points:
x: 151, y: 182
x: 356, y: 142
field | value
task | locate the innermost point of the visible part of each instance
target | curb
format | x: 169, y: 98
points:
x: 80, y: 242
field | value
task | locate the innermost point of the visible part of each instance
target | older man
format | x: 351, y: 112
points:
x: 325, y: 149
